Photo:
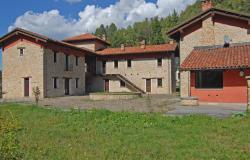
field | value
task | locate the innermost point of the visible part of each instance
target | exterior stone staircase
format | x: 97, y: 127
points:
x: 128, y: 83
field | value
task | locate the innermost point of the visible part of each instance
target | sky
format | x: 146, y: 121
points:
x: 59, y: 19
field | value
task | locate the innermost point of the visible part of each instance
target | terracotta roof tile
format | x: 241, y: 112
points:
x: 136, y: 50
x: 234, y: 57
x: 210, y: 12
x: 86, y: 36
x: 42, y: 37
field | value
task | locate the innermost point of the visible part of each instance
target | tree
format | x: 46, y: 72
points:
x: 154, y: 30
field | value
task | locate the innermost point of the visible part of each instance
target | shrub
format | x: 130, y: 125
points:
x: 9, y: 143
x: 36, y: 92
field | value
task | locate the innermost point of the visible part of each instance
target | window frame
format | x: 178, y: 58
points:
x: 55, y: 82
x: 21, y: 51
x: 159, y: 62
x: 104, y: 64
x: 77, y: 82
x: 77, y: 60
x: 116, y: 64
x: 66, y: 62
x: 159, y: 85
x: 129, y: 63
x: 55, y: 57
x: 200, y: 86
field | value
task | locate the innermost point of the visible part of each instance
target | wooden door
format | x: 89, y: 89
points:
x: 148, y: 85
x: 26, y: 87
x: 106, y: 85
x: 66, y: 86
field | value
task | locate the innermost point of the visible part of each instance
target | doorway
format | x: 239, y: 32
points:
x: 26, y: 87
x: 106, y: 85
x: 66, y: 86
x: 148, y: 85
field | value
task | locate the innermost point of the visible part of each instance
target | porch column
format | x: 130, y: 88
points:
x: 248, y: 92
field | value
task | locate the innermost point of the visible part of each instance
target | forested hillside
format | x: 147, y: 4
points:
x: 154, y: 30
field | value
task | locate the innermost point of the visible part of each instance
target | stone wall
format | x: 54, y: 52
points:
x: 211, y: 33
x: 57, y: 69
x: 143, y: 69
x: 16, y: 67
x: 91, y: 45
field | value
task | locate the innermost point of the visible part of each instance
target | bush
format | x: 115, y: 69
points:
x: 9, y: 143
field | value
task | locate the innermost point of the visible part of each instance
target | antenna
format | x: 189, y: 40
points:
x: 227, y: 41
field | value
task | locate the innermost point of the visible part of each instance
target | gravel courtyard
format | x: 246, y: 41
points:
x: 169, y: 104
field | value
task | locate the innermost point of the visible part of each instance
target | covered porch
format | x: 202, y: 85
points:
x: 219, y: 74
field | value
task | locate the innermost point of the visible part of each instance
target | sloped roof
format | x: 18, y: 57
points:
x: 237, y: 56
x: 136, y: 50
x: 212, y: 11
x: 86, y: 36
x: 42, y: 38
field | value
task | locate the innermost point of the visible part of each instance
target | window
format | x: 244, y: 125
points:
x: 116, y: 64
x: 77, y: 82
x: 55, y: 57
x: 159, y: 62
x: 104, y: 66
x: 77, y: 58
x: 122, y: 84
x: 209, y: 79
x: 55, y: 79
x: 21, y: 51
x: 159, y: 82
x: 129, y: 63
x: 66, y: 62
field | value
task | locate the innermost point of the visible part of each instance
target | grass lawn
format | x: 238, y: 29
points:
x: 55, y: 134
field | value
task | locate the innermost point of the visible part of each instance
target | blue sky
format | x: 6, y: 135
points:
x: 60, y: 18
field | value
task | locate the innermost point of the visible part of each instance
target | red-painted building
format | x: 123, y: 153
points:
x: 214, y: 55
x: 218, y: 74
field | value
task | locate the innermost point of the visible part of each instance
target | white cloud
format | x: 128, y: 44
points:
x: 73, y: 1
x: 122, y: 13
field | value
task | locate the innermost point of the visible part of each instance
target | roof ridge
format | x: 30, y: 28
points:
x: 207, y: 12
x: 147, y: 45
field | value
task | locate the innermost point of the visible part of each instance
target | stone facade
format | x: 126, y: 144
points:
x: 37, y: 64
x: 211, y: 32
x: 91, y: 45
x: 52, y: 69
x: 61, y: 69
x: 142, y: 69
x: 16, y: 67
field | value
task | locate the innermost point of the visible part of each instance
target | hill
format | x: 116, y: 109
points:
x: 154, y: 30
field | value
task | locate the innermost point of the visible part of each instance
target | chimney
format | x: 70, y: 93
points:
x: 206, y: 5
x: 122, y: 47
x: 171, y: 42
x: 104, y: 37
x: 143, y: 44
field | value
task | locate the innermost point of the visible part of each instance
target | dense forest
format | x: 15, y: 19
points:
x: 154, y: 30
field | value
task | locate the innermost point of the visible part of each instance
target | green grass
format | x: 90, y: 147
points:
x: 55, y: 134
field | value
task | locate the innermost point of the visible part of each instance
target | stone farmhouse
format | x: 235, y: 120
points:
x: 213, y: 47
x: 83, y: 64
x: 214, y: 56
